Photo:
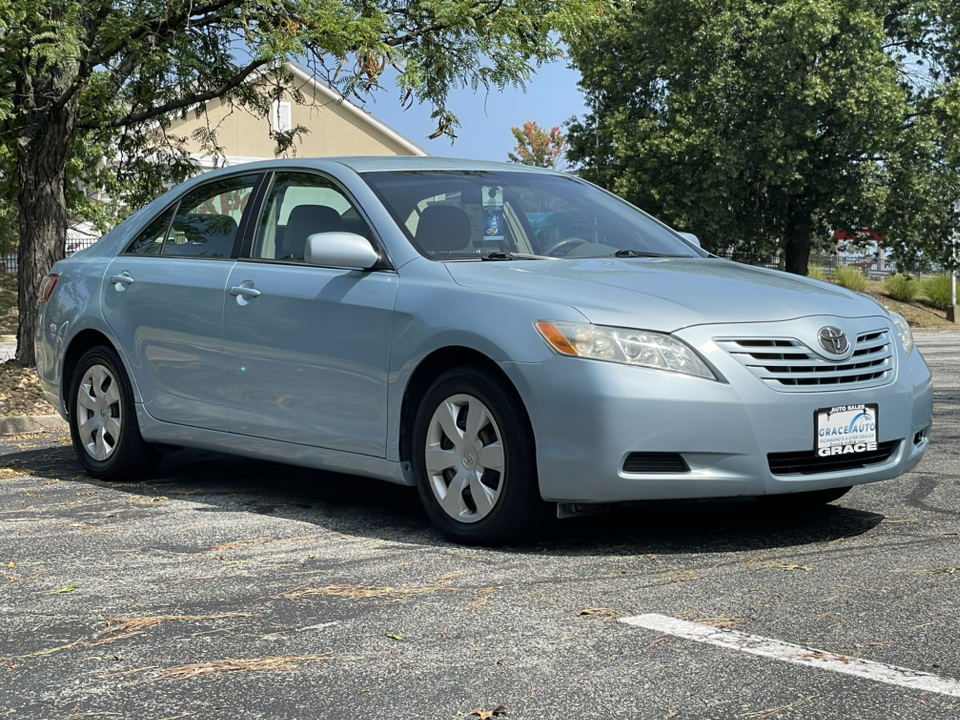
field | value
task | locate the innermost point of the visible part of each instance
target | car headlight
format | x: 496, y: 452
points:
x: 623, y: 345
x: 903, y: 330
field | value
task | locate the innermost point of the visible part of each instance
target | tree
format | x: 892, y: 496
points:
x: 763, y: 125
x: 537, y: 147
x: 84, y: 80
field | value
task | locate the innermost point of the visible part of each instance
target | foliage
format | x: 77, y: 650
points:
x: 768, y: 124
x: 816, y: 273
x: 851, y: 278
x: 88, y: 88
x: 937, y: 288
x: 901, y: 287
x: 537, y: 147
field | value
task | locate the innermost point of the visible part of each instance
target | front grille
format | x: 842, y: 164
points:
x: 787, y: 365
x: 807, y: 462
x: 655, y: 462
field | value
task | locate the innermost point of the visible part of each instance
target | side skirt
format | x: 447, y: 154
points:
x: 165, y: 433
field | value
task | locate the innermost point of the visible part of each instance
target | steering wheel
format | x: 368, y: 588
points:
x: 569, y: 243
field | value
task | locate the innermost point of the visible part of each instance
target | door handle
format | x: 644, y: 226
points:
x: 121, y: 279
x: 244, y: 291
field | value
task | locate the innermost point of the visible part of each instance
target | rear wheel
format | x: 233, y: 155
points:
x: 475, y: 461
x: 103, y: 423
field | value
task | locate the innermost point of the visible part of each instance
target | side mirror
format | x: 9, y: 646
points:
x: 340, y: 249
x: 690, y: 238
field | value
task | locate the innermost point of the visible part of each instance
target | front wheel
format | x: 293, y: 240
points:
x: 475, y: 461
x: 103, y: 423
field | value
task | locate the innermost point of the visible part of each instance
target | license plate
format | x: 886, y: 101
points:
x: 846, y: 429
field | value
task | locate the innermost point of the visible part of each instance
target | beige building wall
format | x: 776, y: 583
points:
x: 333, y: 128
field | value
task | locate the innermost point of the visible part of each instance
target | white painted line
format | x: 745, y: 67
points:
x: 797, y: 654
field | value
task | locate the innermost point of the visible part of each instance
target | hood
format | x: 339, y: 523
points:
x: 664, y: 294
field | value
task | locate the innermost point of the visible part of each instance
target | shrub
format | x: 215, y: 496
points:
x: 851, y: 278
x: 901, y: 287
x: 816, y: 273
x: 937, y: 290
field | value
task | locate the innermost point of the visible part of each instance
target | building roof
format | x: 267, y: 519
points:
x: 325, y: 90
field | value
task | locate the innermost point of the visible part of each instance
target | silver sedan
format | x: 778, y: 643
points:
x: 515, y: 343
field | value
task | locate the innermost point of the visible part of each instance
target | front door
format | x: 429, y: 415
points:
x: 306, y: 348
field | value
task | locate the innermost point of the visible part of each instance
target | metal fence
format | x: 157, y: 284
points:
x: 9, y: 264
x: 870, y: 267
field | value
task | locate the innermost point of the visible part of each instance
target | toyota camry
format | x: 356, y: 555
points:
x: 515, y: 343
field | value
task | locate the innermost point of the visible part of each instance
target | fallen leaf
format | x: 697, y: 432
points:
x: 398, y: 638
x: 488, y: 714
x: 64, y: 590
x: 773, y: 565
x: 11, y: 565
x: 945, y: 571
x: 602, y: 612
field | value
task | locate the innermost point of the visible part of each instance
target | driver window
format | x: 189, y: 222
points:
x: 300, y: 205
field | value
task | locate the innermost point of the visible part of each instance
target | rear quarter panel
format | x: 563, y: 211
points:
x: 73, y: 308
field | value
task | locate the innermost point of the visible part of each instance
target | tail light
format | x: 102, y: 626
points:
x: 47, y: 285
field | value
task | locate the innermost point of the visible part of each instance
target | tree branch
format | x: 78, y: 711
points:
x: 238, y: 79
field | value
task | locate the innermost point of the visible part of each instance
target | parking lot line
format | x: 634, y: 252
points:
x: 796, y: 654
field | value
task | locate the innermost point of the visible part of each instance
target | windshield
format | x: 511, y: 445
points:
x: 471, y: 215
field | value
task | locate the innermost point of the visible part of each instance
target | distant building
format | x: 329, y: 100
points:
x: 335, y: 126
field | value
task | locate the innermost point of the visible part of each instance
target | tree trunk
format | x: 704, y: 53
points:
x: 797, y: 243
x: 42, y: 151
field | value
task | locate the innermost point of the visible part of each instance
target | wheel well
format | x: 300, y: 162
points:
x: 78, y: 346
x: 435, y: 364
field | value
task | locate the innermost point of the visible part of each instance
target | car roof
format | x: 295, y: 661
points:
x: 383, y: 163
x: 373, y: 163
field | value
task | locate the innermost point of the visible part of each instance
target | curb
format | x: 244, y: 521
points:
x: 27, y: 424
x: 8, y: 338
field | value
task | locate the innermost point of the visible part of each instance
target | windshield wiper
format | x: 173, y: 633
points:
x: 640, y: 253
x: 510, y: 256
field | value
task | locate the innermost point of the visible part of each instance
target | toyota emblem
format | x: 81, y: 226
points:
x: 833, y: 340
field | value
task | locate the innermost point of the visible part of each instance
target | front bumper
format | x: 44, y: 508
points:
x: 588, y: 416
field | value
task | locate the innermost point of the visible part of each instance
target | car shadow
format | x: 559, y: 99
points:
x: 362, y: 507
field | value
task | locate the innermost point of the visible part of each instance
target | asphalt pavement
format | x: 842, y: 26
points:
x: 229, y: 588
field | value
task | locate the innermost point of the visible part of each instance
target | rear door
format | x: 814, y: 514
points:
x: 163, y: 298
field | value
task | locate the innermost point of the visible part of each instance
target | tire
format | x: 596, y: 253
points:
x: 103, y: 421
x: 474, y: 458
x: 804, y: 500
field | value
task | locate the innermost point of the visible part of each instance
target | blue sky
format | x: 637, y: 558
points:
x: 551, y: 98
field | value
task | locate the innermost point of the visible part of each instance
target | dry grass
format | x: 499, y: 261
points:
x: 279, y: 663
x: 122, y: 628
x: 237, y: 544
x: 363, y: 592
